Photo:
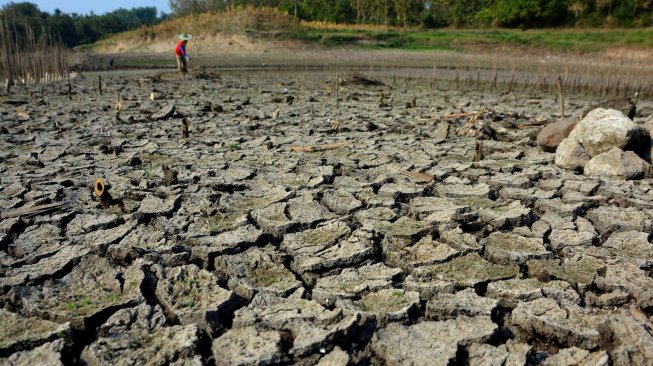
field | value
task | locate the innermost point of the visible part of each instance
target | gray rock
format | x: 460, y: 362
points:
x: 155, y: 206
x: 630, y: 278
x: 463, y: 242
x: 577, y: 357
x: 327, y: 247
x: 518, y: 353
x: 255, y: 271
x: 628, y: 339
x: 207, y: 248
x: 194, y: 297
x: 312, y: 326
x: 93, y: 287
x: 618, y: 163
x: 86, y: 223
x: 407, y: 228
x: 36, y: 241
x: 480, y: 190
x: 506, y: 248
x: 47, y: 354
x: 254, y: 199
x: 429, y: 342
x: 579, y: 271
x: 401, y: 191
x: 611, y: 300
x: 509, y: 293
x: 632, y: 245
x: 582, y: 235
x: 139, y: 336
x: 18, y: 333
x: 353, y: 282
x: 604, y: 129
x: 386, y: 305
x: 466, y: 302
x: 428, y: 289
x: 408, y: 254
x: 341, y: 202
x: 584, y: 186
x: 157, y: 238
x: 48, y: 267
x: 486, y: 355
x: 555, y: 206
x: 571, y: 155
x: 441, y: 131
x: 98, y: 241
x: 378, y: 219
x: 247, y: 346
x: 610, y: 219
x: 467, y: 271
x: 164, y: 113
x: 569, y: 326
x: 337, y: 357
x: 440, y: 210
x: 273, y: 219
x: 308, y: 213
x: 506, y: 217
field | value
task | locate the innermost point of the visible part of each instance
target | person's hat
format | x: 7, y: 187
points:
x: 185, y: 37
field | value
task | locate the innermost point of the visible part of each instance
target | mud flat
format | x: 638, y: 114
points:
x: 405, y: 223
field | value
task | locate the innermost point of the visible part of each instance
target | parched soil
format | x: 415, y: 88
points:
x: 273, y: 216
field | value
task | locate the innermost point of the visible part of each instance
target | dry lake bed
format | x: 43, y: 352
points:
x: 236, y: 217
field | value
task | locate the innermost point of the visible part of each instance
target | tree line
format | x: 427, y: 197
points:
x: 73, y: 29
x: 76, y: 29
x: 444, y: 13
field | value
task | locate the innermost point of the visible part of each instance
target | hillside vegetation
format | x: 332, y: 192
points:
x: 447, y: 13
x: 25, y: 19
x: 247, y: 28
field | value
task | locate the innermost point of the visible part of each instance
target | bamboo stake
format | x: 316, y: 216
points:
x: 562, y: 97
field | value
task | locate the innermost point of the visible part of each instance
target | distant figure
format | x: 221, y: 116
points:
x: 180, y: 51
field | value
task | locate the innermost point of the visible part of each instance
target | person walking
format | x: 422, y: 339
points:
x: 180, y: 51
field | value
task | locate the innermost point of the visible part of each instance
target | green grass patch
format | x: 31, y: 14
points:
x: 566, y: 40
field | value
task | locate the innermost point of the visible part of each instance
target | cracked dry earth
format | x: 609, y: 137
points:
x: 408, y: 240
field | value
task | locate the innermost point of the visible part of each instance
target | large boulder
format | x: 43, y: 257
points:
x: 604, y: 129
x: 618, y: 163
x: 571, y: 155
x: 552, y: 134
x: 623, y: 104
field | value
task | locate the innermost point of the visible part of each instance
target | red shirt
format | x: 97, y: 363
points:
x: 180, y: 51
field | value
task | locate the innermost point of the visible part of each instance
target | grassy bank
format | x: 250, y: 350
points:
x: 254, y: 26
x: 559, y: 40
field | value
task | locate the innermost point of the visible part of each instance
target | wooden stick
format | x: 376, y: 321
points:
x: 562, y: 97
x: 184, y: 128
x: 315, y: 148
x: 420, y: 177
x: 34, y: 210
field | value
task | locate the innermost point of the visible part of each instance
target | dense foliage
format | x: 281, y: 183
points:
x: 438, y: 13
x: 72, y: 29
x: 75, y: 29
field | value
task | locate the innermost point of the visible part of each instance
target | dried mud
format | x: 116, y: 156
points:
x: 404, y: 223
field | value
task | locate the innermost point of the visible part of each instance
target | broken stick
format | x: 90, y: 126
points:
x: 315, y: 148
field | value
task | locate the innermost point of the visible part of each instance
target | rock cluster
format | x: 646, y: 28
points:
x: 605, y: 143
